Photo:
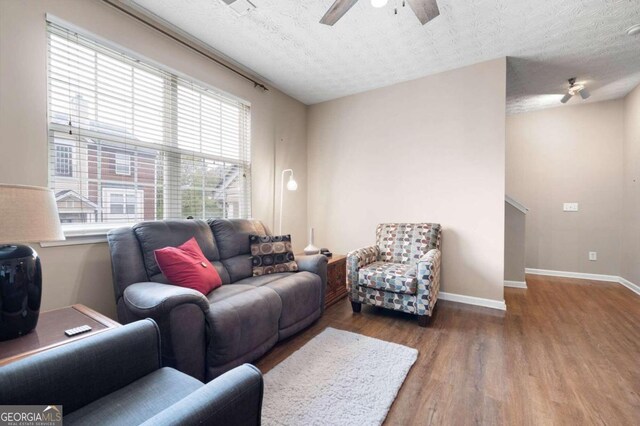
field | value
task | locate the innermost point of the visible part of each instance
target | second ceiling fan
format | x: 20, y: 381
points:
x: 425, y: 10
x: 575, y: 89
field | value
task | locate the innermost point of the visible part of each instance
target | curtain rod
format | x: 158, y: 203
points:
x: 187, y: 45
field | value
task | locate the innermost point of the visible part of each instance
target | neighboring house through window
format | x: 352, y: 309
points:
x: 74, y: 208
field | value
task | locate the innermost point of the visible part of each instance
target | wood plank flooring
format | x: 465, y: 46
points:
x: 566, y: 352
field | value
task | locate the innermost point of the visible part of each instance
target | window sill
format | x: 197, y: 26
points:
x: 77, y: 240
x: 79, y: 235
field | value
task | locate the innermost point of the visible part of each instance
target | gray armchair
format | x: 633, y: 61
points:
x: 116, y: 378
x: 401, y: 272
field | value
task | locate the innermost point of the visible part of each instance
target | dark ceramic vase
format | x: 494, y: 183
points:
x: 20, y: 290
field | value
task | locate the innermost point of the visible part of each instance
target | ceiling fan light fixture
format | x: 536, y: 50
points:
x: 575, y: 89
x: 379, y: 3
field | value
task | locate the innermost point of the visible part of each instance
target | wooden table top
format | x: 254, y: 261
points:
x: 336, y: 257
x: 49, y: 332
x: 332, y: 259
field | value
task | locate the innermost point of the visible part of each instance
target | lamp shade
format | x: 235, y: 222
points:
x: 292, y: 185
x: 28, y: 214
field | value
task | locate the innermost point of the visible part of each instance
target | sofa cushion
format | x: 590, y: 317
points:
x: 387, y: 276
x: 186, y: 266
x: 263, y: 279
x: 232, y: 235
x: 232, y: 239
x: 238, y: 267
x: 300, y: 294
x: 271, y: 254
x: 226, y: 291
x: 172, y: 233
x: 241, y: 322
x: 138, y: 401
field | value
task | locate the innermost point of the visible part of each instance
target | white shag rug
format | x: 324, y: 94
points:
x: 337, y: 378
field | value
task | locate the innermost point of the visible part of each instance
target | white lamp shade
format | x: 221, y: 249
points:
x: 292, y: 185
x: 28, y: 214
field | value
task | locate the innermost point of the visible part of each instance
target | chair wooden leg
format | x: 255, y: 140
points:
x: 356, y: 306
x: 424, y: 320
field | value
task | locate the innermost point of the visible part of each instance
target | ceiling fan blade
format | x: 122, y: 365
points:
x: 336, y: 11
x: 425, y: 10
x: 566, y: 98
x: 584, y: 94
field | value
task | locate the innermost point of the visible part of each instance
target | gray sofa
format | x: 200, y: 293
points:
x: 116, y: 378
x: 205, y: 336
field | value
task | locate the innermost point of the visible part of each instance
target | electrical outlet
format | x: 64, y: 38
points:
x: 593, y: 255
x: 570, y: 207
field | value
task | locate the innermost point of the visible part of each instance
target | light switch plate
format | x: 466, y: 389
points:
x: 570, y: 207
x: 593, y: 255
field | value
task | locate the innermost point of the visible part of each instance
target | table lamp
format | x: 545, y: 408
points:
x: 28, y: 214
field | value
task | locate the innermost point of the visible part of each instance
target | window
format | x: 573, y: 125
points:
x: 129, y: 141
x: 123, y: 164
x: 123, y: 204
x: 63, y: 158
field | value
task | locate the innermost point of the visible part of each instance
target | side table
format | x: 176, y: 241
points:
x: 49, y: 333
x: 336, y: 279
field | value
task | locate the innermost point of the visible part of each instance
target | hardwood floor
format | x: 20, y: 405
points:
x: 566, y: 352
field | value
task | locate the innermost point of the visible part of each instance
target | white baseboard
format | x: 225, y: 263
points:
x: 515, y: 284
x: 470, y: 300
x: 631, y: 286
x: 567, y: 274
x: 584, y: 276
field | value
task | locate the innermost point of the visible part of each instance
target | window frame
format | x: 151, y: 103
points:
x: 101, y: 228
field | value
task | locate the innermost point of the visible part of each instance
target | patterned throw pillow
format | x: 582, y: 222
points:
x: 271, y: 254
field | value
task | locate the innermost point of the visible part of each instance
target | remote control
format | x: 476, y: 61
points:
x: 77, y: 330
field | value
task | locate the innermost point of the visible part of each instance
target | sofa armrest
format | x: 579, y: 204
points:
x: 358, y: 259
x: 180, y: 313
x: 85, y: 370
x: 235, y: 398
x: 428, y: 281
x: 155, y: 300
x: 317, y: 264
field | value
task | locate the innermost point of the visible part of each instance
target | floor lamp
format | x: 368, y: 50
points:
x: 292, y: 185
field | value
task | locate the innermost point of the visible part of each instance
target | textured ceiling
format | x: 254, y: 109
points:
x: 547, y: 41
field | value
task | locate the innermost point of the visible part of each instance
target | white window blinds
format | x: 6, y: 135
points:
x: 129, y: 141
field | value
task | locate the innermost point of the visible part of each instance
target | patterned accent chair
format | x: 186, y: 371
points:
x: 400, y: 272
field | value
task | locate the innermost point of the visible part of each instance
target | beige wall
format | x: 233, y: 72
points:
x: 431, y: 150
x: 514, y: 243
x: 569, y: 154
x: 81, y: 274
x: 631, y: 199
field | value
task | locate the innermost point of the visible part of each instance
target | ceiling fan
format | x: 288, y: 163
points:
x: 574, y: 89
x: 425, y: 10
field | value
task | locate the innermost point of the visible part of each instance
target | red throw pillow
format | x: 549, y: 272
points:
x: 186, y: 266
